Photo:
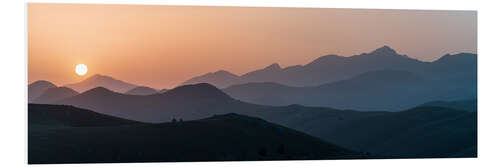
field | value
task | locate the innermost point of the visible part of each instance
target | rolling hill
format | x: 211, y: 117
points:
x: 373, y: 90
x: 141, y: 90
x: 54, y: 94
x: 422, y: 132
x: 242, y: 138
x: 465, y: 105
x: 36, y: 89
x: 189, y: 102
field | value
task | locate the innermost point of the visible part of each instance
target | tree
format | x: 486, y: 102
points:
x: 174, y: 120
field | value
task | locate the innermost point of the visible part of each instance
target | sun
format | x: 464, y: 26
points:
x: 81, y: 69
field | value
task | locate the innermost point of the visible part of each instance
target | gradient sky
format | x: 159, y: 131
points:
x: 162, y: 46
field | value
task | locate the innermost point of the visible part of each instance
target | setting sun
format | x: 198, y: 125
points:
x: 81, y: 69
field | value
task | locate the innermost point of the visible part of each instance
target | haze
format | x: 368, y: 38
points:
x: 162, y: 46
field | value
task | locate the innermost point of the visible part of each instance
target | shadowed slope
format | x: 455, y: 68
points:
x: 418, y: 132
x: 242, y: 138
x: 60, y: 115
x: 464, y: 105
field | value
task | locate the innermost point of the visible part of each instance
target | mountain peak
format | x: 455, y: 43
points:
x: 98, y: 80
x: 98, y: 90
x: 384, y: 50
x: 99, y: 77
x: 141, y: 90
x: 201, y: 90
x: 274, y: 66
x: 224, y: 72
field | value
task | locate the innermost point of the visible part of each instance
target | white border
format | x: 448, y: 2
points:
x: 13, y: 77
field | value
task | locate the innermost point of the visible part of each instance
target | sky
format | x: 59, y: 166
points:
x: 162, y: 46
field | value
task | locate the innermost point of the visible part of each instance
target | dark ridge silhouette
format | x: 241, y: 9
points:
x: 141, y: 90
x: 98, y: 80
x: 35, y: 89
x: 243, y: 138
x: 331, y: 68
x: 69, y: 116
x: 373, y: 90
x: 422, y: 132
x: 55, y: 94
x: 188, y: 102
x: 464, y: 105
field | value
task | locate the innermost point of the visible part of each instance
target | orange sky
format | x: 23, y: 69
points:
x: 162, y: 46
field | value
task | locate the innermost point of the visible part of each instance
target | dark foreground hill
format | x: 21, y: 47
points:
x: 55, y: 137
x: 465, y: 105
x: 422, y: 132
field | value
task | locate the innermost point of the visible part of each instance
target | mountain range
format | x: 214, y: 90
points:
x: 390, y: 90
x: 82, y: 136
x: 416, y: 109
x: 331, y: 68
x: 193, y: 102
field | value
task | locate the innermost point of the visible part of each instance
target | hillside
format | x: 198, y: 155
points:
x: 418, y: 132
x: 55, y: 94
x: 373, y: 90
x: 35, y: 89
x: 243, y: 138
x: 142, y: 90
x: 188, y: 102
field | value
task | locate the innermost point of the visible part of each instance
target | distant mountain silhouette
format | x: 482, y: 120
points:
x: 331, y: 68
x: 35, y: 89
x: 464, y: 105
x: 188, y: 102
x: 141, y: 90
x: 82, y: 136
x: 220, y: 78
x: 55, y: 94
x: 373, y: 90
x: 98, y: 80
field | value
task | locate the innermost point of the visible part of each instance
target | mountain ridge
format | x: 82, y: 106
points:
x: 326, y: 69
